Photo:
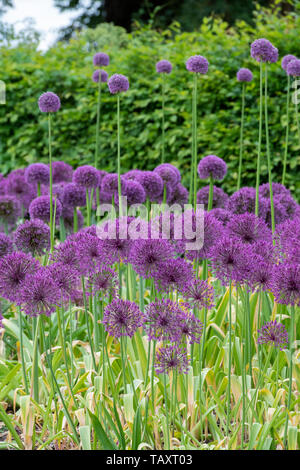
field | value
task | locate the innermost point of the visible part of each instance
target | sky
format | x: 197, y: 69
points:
x: 47, y: 18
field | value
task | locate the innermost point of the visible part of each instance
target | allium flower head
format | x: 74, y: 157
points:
x: 40, y: 208
x: 293, y: 68
x: 134, y: 192
x: 222, y: 215
x: 65, y: 278
x: 103, y: 282
x: 197, y: 64
x: 101, y: 59
x: 14, y: 268
x: 86, y: 176
x: 39, y: 295
x: 61, y: 172
x: 115, y: 241
x: 263, y: 50
x: 190, y: 326
x: 109, y: 184
x: 33, y: 236
x: 171, y: 358
x: 49, y: 102
x: 122, y: 318
x: 286, y: 283
x: 199, y: 294
x: 286, y: 60
x: 212, y: 231
x: 244, y: 75
x: 261, y: 274
x: 248, y: 228
x: 173, y: 274
x: 168, y: 173
x: 180, y: 195
x: 161, y: 320
x: 133, y: 175
x: 6, y: 245
x: 67, y: 253
x: 16, y: 185
x: 74, y: 195
x: 220, y: 198
x: 152, y: 184
x: 2, y: 184
x: 273, y: 333
x: 229, y: 260
x: 10, y: 209
x: 244, y: 201
x: 277, y: 188
x: 37, y: 173
x: 118, y: 83
x: 100, y: 74
x: 163, y: 66
x: 212, y: 166
x: 146, y: 255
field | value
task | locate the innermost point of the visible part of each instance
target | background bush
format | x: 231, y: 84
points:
x: 66, y: 69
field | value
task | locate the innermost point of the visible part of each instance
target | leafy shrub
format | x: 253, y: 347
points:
x: 66, y: 69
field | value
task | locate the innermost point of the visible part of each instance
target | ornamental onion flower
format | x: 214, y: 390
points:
x: 273, y: 333
x: 33, y: 236
x: 122, y: 318
x: 171, y: 358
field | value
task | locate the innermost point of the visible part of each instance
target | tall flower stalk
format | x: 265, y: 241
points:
x: 163, y: 67
x: 99, y: 76
x: 268, y: 151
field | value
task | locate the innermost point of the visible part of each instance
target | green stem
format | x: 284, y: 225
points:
x: 229, y: 366
x: 88, y: 324
x: 75, y: 220
x: 259, y: 136
x: 287, y: 128
x: 167, y: 411
x: 119, y: 156
x: 163, y: 117
x: 268, y: 150
x: 98, y: 122
x: 211, y: 193
x: 241, y: 138
x: 195, y: 147
x: 35, y: 369
x: 292, y: 327
x: 22, y: 352
x: 50, y: 181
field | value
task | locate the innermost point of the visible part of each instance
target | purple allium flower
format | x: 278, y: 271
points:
x: 49, y: 102
x: 115, y: 241
x: 180, y: 195
x: 263, y: 50
x: 261, y: 274
x: 293, y: 68
x: 10, y: 209
x: 61, y: 172
x: 67, y: 253
x: 134, y: 192
x: 91, y: 252
x: 122, y: 318
x: 152, y: 184
x: 102, y: 74
x: 16, y: 185
x: 161, y: 320
x: 6, y: 245
x: 74, y: 195
x: 171, y: 358
x: 14, y: 268
x: 101, y: 59
x: 40, y: 208
x: 273, y: 333
x: 133, y: 175
x: 39, y: 294
x: 212, y: 231
x: 168, y: 173
x: 37, y: 173
x: 286, y: 60
x: 220, y: 198
x: 277, y: 188
x: 146, y: 255
x: 264, y: 249
x: 190, y: 326
x: 286, y: 283
x: 229, y: 260
x: 244, y: 75
x: 280, y: 212
x: 222, y: 215
x: 248, y: 228
x: 86, y: 176
x: 288, y: 240
x: 197, y: 64
x: 212, y: 166
x: 2, y: 184
x: 244, y: 201
x: 118, y: 83
x: 109, y: 184
x: 68, y: 216
x: 104, y: 282
x: 33, y: 236
x: 57, y: 190
x: 163, y: 66
x: 289, y: 204
x: 173, y: 274
x: 199, y: 294
x: 65, y: 278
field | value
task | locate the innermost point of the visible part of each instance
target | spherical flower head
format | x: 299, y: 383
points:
x: 261, y: 274
x: 263, y: 50
x: 14, y: 268
x: 173, y: 274
x: 40, y: 208
x: 100, y: 74
x: 103, y: 283
x: 10, y: 209
x: 116, y: 242
x: 152, y: 184
x: 122, y: 318
x: 49, y: 102
x: 180, y: 195
x: 109, y: 184
x: 134, y: 192
x: 16, y: 185
x: 286, y: 283
x: 101, y: 59
x: 277, y: 188
x: 6, y: 245
x: 197, y: 64
x: 37, y: 173
x: 273, y: 333
x: 163, y: 66
x: 244, y: 201
x: 220, y: 198
x: 286, y: 60
x: 133, y: 175
x: 67, y: 253
x: 86, y: 176
x: 118, y: 83
x: 61, y: 172
x: 212, y: 231
x: 39, y: 295
x: 146, y: 255
x: 190, y: 326
x: 2, y: 184
x: 74, y: 195
x: 66, y: 279
x: 33, y: 236
x: 222, y: 215
x: 244, y: 75
x: 293, y: 68
x: 199, y: 294
x: 212, y: 166
x: 248, y: 228
x: 171, y: 358
x: 161, y: 320
x: 169, y: 174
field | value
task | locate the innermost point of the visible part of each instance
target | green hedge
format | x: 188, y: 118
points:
x: 67, y: 68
